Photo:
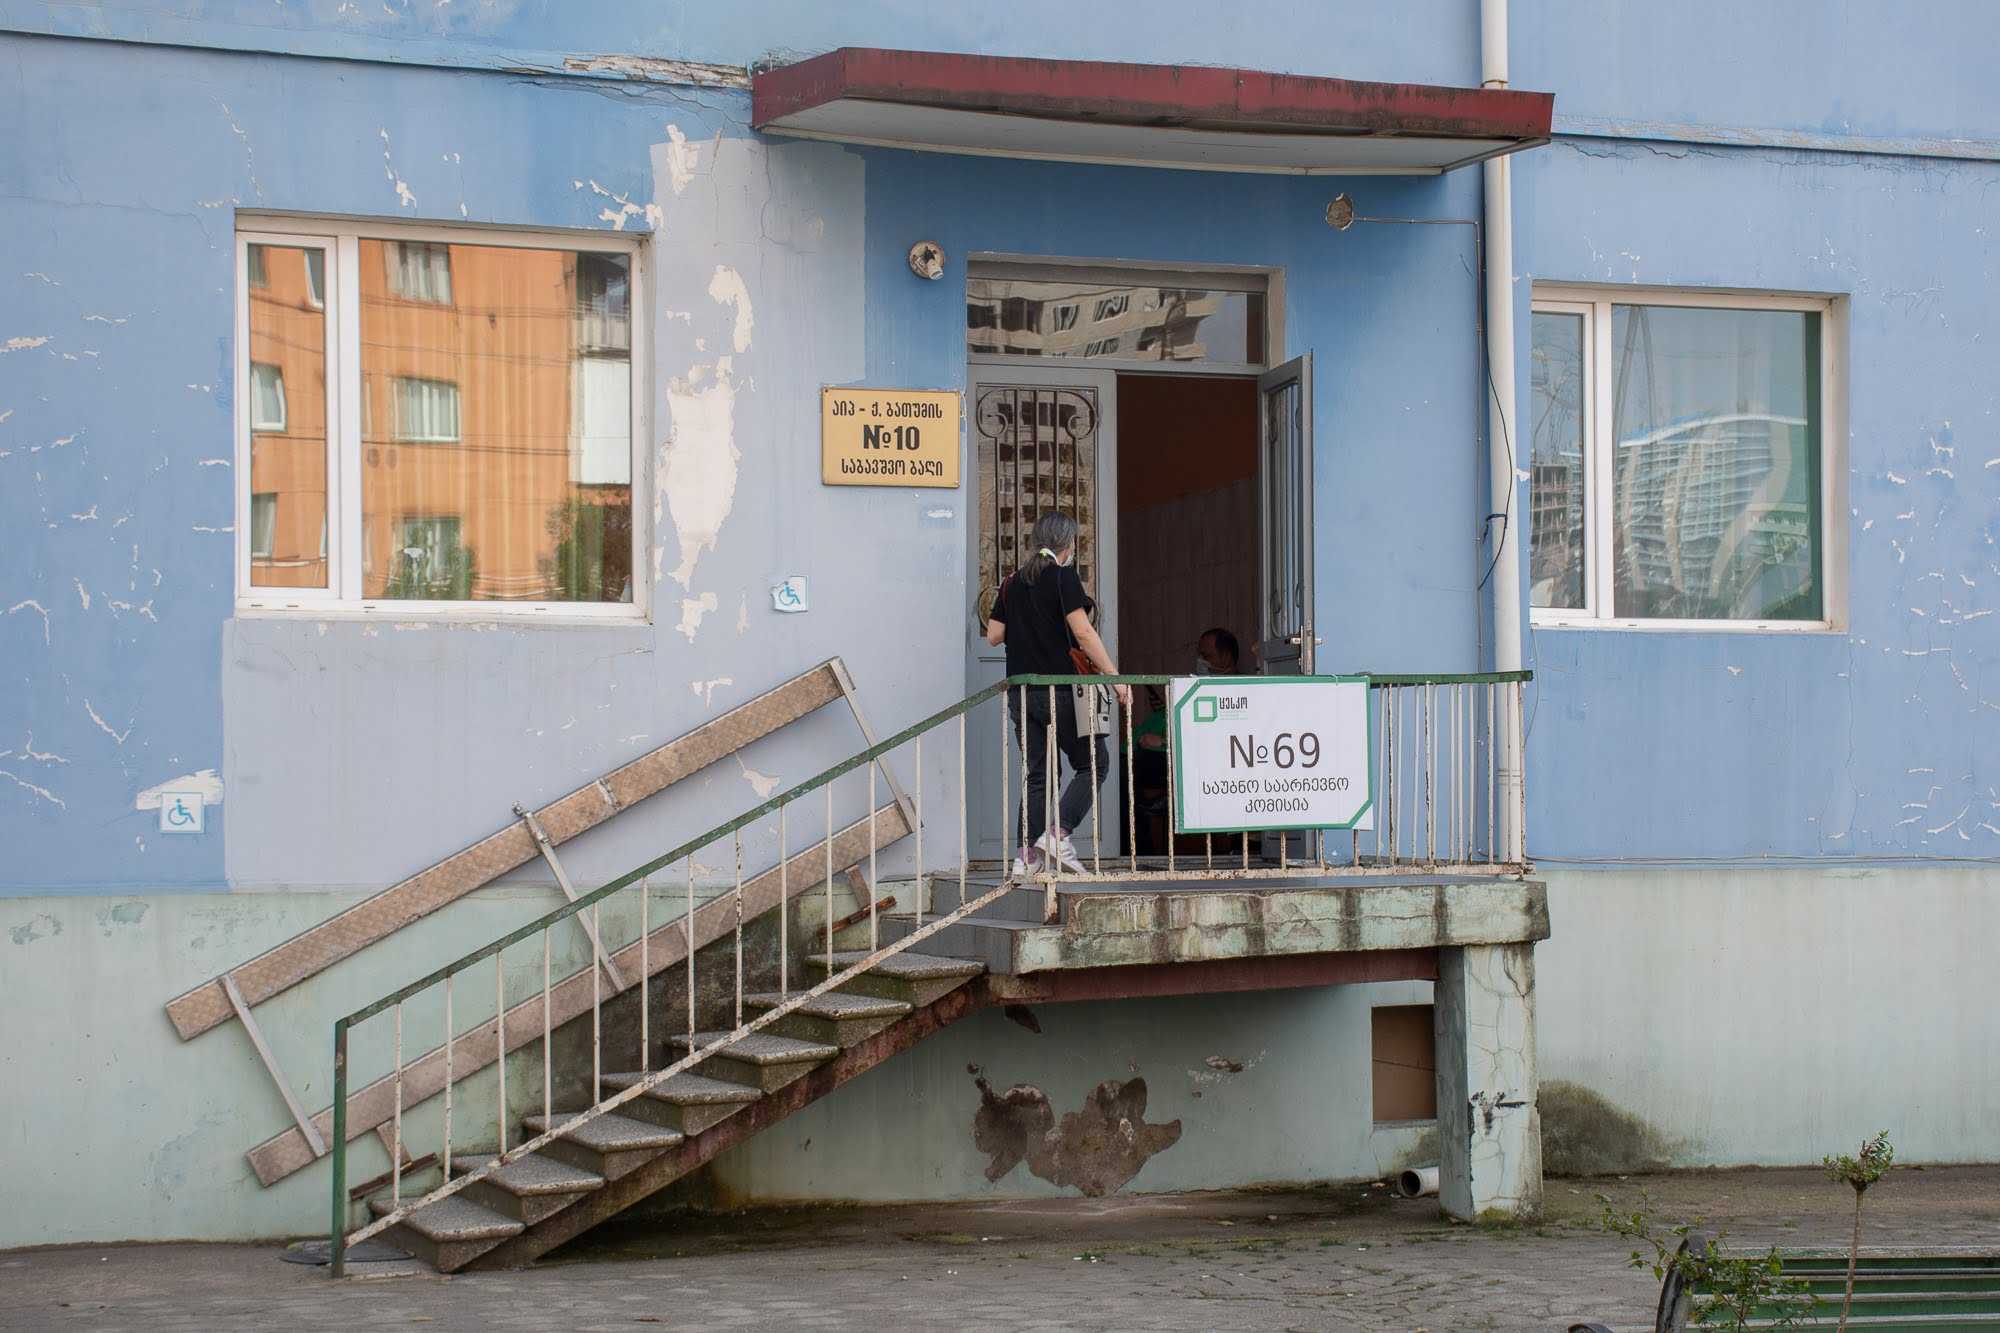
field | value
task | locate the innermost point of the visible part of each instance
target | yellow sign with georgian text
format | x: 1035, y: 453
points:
x: 888, y: 437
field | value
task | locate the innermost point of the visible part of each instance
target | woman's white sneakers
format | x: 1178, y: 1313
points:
x: 1052, y: 848
x: 1060, y: 850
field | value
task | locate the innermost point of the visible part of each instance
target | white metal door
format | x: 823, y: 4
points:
x: 1041, y: 438
x: 1285, y: 519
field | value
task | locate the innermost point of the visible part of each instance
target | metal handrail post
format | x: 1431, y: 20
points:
x: 339, y: 1237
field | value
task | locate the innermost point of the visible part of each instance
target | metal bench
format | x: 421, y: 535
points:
x: 1895, y: 1291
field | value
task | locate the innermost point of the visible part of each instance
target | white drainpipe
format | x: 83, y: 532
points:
x: 1505, y: 557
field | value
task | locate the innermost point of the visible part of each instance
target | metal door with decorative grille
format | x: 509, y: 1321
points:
x: 1041, y: 439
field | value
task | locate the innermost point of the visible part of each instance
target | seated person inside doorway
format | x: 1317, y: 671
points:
x: 1216, y: 654
x: 1041, y: 611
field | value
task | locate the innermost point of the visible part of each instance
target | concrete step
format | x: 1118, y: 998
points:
x: 834, y: 1019
x: 450, y: 1233
x: 1023, y: 904
x: 529, y: 1189
x: 917, y: 979
x: 759, y: 1060
x: 990, y: 941
x: 610, y: 1145
x: 689, y: 1103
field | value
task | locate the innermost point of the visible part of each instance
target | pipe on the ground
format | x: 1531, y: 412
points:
x: 1419, y: 1182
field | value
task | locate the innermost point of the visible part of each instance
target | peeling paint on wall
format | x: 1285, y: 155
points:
x: 40, y: 926
x: 1097, y: 1149
x: 727, y: 288
x: 682, y: 159
x: 206, y: 782
x: 40, y: 792
x: 404, y: 199
x: 698, y: 466
x: 692, y: 611
x: 30, y: 604
x: 653, y: 69
x: 761, y: 783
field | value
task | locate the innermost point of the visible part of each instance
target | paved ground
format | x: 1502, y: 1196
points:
x: 1341, y: 1257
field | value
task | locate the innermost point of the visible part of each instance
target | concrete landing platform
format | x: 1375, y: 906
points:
x: 1149, y: 922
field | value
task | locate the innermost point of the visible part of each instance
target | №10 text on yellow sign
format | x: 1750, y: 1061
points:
x: 888, y: 437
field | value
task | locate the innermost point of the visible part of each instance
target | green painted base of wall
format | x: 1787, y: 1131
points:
x: 117, y: 1130
x: 1768, y: 1017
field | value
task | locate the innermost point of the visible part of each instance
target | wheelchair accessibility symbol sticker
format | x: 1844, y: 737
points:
x: 180, y: 811
x: 790, y: 596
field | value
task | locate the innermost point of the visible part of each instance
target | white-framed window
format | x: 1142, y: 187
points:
x: 349, y: 374
x: 420, y: 271
x: 1682, y: 451
x: 426, y: 410
x: 267, y: 398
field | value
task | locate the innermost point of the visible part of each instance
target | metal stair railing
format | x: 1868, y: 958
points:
x: 1431, y: 815
x: 235, y: 994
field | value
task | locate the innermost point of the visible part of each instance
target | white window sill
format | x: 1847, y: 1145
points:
x: 444, y: 613
x: 1687, y: 626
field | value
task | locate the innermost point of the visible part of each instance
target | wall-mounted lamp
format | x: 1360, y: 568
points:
x: 1340, y: 213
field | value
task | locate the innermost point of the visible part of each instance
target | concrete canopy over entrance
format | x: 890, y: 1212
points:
x: 1144, y: 115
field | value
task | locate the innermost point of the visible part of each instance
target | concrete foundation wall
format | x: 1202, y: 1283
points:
x: 1771, y: 1016
x: 113, y: 1130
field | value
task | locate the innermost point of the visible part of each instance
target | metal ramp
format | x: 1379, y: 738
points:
x: 537, y: 832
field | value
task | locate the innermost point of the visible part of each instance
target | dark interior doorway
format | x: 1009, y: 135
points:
x: 1187, y: 544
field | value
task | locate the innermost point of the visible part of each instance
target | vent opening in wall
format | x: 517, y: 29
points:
x: 1404, y: 1063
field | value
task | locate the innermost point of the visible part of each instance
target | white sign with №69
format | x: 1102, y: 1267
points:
x: 1271, y: 752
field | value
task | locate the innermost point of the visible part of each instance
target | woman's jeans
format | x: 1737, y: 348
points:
x: 1074, y: 805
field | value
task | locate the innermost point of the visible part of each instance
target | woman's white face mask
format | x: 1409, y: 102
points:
x: 1201, y: 666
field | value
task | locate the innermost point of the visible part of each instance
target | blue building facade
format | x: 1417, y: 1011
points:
x: 1769, y: 837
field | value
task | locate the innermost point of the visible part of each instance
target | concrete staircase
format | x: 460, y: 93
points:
x: 607, y: 1164
x: 995, y: 937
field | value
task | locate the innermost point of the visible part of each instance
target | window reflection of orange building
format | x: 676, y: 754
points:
x: 285, y: 399
x: 479, y: 416
x: 495, y: 408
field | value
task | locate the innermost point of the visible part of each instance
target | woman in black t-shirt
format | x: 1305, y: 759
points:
x: 1042, y: 609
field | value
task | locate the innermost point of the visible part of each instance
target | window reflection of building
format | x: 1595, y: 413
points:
x: 1715, y: 518
x: 496, y: 440
x: 1091, y: 320
x: 286, y: 413
x: 1711, y: 456
x: 1556, y: 498
x: 1555, y: 562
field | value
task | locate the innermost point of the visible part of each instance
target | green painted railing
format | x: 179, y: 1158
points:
x: 1402, y: 701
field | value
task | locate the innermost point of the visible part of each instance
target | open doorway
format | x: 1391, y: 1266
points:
x: 1186, y: 529
x: 1143, y: 404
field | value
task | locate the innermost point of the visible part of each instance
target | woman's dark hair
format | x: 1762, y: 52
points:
x: 1055, y: 532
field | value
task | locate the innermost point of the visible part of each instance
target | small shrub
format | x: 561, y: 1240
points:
x: 1724, y: 1291
x: 1860, y: 1171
